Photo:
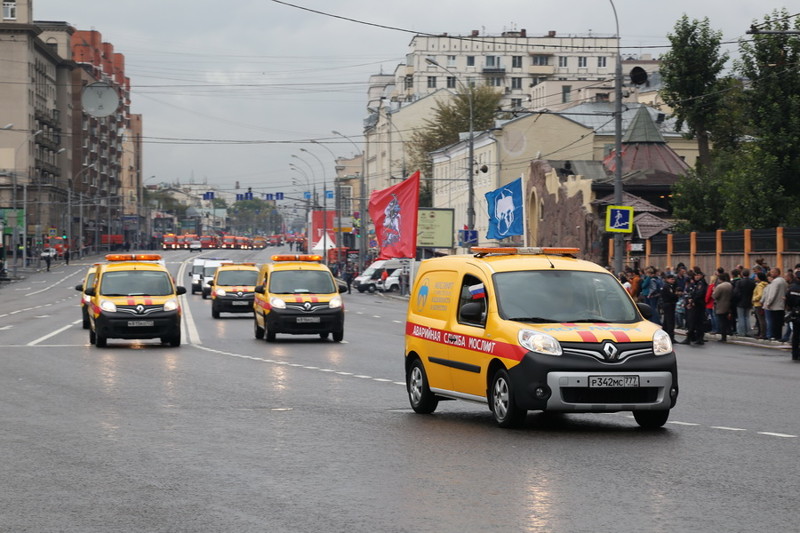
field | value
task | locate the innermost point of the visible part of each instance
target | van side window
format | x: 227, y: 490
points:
x: 472, y: 302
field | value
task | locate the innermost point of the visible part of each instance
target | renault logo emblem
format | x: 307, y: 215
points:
x: 239, y: 294
x: 610, y: 350
x: 140, y: 309
x: 307, y: 306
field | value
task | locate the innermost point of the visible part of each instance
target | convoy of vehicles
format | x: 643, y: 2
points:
x: 534, y: 329
x: 210, y: 267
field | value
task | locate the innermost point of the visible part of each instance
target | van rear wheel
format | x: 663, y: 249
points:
x: 422, y: 400
x: 651, y: 419
x: 504, y: 407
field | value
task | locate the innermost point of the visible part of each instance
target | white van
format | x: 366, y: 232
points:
x: 367, y: 281
x: 196, y: 273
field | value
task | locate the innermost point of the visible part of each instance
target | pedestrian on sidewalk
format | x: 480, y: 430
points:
x: 66, y: 256
x: 723, y: 299
x: 47, y: 259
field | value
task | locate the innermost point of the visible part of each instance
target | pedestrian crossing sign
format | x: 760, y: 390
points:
x: 619, y: 219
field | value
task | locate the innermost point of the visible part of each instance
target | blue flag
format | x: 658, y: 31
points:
x: 505, y: 211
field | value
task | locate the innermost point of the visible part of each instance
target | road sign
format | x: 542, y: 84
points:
x: 619, y: 219
x: 467, y: 237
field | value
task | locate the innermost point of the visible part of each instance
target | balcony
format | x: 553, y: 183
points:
x: 494, y: 70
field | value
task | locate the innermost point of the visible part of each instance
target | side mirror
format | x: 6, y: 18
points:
x: 90, y: 291
x: 342, y: 287
x: 646, y: 310
x: 180, y: 290
x: 259, y: 289
x: 210, y: 283
x: 79, y: 287
x: 471, y: 311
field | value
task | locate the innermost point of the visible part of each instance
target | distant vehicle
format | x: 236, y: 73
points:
x: 50, y: 252
x: 195, y: 246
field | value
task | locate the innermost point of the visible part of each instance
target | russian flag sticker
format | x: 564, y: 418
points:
x: 477, y: 291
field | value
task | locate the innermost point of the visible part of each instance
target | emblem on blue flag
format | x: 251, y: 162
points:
x: 505, y: 211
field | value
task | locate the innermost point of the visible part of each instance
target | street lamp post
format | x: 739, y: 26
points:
x: 362, y: 204
x: 15, y: 232
x: 337, y: 205
x: 69, y: 209
x: 471, y: 156
x: 324, y: 208
x: 618, y: 238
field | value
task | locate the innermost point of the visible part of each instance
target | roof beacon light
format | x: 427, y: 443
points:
x: 482, y: 251
x: 133, y: 257
x: 294, y: 257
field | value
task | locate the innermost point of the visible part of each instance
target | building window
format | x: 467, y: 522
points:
x: 516, y: 103
x: 451, y: 82
x: 431, y: 82
x: 582, y: 62
x: 562, y: 61
x: 409, y: 82
x: 516, y: 83
x: 540, y: 61
x: 9, y: 9
x: 470, y: 61
x: 566, y: 94
x: 451, y: 61
x: 496, y: 81
x: 516, y: 61
x: 492, y: 61
x: 601, y: 62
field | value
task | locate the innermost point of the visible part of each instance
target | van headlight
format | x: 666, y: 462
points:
x: 539, y: 342
x: 277, y: 303
x: 335, y: 303
x: 220, y: 292
x: 170, y: 305
x: 108, y: 306
x: 662, y: 344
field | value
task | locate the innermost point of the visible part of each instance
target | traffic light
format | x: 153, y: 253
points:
x: 64, y: 237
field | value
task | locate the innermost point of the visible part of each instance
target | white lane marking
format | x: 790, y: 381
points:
x: 6, y: 327
x: 682, y: 423
x: 187, y: 324
x: 727, y: 428
x: 53, y: 333
x: 783, y: 435
x: 51, y: 285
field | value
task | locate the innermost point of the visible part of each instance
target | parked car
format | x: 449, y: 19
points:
x: 51, y: 252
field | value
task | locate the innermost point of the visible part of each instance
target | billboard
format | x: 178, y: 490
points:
x: 435, y: 228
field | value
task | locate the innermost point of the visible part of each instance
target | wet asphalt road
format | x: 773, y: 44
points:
x: 229, y: 433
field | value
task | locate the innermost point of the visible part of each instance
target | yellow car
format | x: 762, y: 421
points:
x: 134, y: 297
x: 298, y: 295
x: 534, y: 329
x: 88, y: 281
x: 232, y: 289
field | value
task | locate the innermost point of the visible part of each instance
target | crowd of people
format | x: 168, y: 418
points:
x: 759, y: 302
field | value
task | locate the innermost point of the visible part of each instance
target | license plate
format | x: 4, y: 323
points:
x: 140, y: 323
x: 240, y: 303
x: 308, y: 320
x: 613, y: 381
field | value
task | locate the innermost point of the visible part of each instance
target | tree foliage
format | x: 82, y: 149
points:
x: 450, y: 118
x: 690, y: 72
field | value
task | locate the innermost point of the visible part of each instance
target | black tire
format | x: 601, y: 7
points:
x: 205, y: 296
x: 175, y: 340
x: 338, y: 336
x: 422, y: 400
x: 651, y: 419
x: 214, y: 311
x: 269, y: 335
x: 258, y: 331
x: 371, y: 289
x: 101, y: 341
x: 86, y: 324
x: 92, y: 337
x: 324, y: 336
x: 502, y: 403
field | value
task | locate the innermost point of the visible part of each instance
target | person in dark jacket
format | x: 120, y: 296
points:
x: 793, y: 308
x: 696, y: 309
x: 670, y: 293
x: 723, y: 303
x: 743, y: 296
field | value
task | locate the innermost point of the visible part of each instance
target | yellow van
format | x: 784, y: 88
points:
x: 88, y: 281
x: 298, y: 295
x: 534, y: 329
x: 232, y: 288
x: 134, y: 297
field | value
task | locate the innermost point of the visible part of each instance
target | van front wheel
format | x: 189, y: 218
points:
x: 651, y: 419
x: 504, y: 407
x: 422, y: 400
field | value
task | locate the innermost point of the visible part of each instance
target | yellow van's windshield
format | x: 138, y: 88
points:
x: 563, y: 296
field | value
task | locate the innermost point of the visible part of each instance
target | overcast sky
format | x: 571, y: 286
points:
x: 259, y: 70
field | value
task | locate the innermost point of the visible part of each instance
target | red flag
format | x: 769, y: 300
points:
x: 394, y: 212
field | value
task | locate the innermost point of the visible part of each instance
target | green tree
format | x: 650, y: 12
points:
x: 697, y: 201
x: 449, y: 119
x: 771, y: 64
x: 690, y: 72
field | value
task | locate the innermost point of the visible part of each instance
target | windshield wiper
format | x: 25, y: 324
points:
x: 534, y: 319
x: 589, y: 320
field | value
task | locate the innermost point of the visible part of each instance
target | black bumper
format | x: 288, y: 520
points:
x: 297, y: 323
x: 224, y: 304
x: 125, y: 326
